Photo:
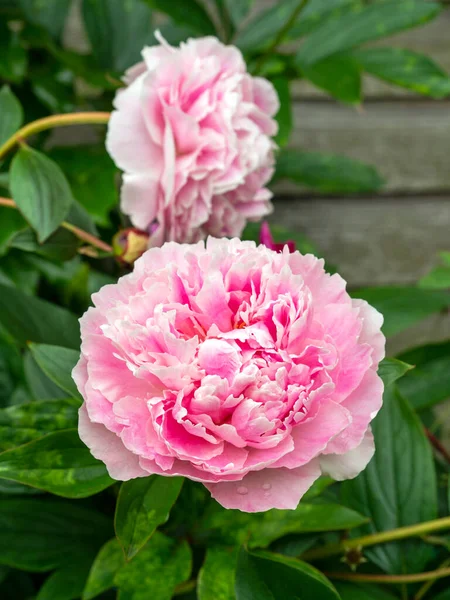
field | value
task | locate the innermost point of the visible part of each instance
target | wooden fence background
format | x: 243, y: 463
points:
x: 393, y: 237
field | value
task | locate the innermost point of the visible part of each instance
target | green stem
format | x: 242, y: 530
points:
x: 378, y: 538
x: 428, y: 584
x: 369, y: 578
x: 82, y: 118
x: 281, y: 34
x: 79, y: 233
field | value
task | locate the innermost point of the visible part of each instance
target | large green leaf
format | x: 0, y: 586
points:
x: 27, y: 422
x: 39, y: 385
x: 43, y: 534
x: 143, y: 505
x: 238, y: 10
x: 118, y: 30
x: 216, y: 579
x: 266, y: 576
x: 28, y: 318
x: 106, y: 565
x: 57, y: 363
x: 284, y: 115
x: 262, y: 30
x: 398, y: 487
x: 391, y: 369
x: 329, y: 173
x: 429, y: 382
x: 11, y: 114
x: 439, y: 277
x: 67, y: 583
x: 91, y: 174
x: 363, y: 24
x: 405, y: 306
x: 58, y: 463
x: 51, y: 14
x: 11, y: 223
x: 155, y: 571
x: 40, y: 191
x: 260, y: 530
x: 351, y: 591
x: 318, y: 12
x: 61, y: 245
x: 339, y: 75
x: 406, y: 69
x: 191, y: 15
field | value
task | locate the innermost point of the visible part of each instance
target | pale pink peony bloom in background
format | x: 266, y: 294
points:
x: 248, y: 370
x: 193, y: 134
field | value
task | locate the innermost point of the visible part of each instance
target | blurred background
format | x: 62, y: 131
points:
x: 382, y: 234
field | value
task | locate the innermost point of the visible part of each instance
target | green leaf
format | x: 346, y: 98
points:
x: 284, y: 115
x: 363, y: 24
x: 17, y: 585
x: 339, y: 75
x: 261, y: 31
x: 106, y: 565
x: 143, y: 505
x: 57, y: 363
x: 31, y: 319
x: 27, y: 422
x: 11, y: 115
x: 328, y: 173
x: 155, y: 571
x: 66, y: 583
x: 266, y: 576
x: 429, y: 383
x: 51, y: 14
x: 58, y: 463
x: 91, y: 174
x: 444, y: 595
x: 238, y: 10
x: 39, y: 385
x: 350, y: 591
x: 192, y: 15
x: 216, y: 579
x: 44, y: 534
x: 439, y: 277
x: 406, y: 69
x: 260, y: 530
x: 11, y: 223
x: 13, y: 65
x: 391, y: 369
x: 118, y: 30
x: 40, y: 190
x: 55, y: 95
x: 61, y: 245
x: 403, y: 307
x: 398, y: 487
x: 318, y: 12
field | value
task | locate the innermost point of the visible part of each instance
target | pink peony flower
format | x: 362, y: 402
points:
x: 192, y: 131
x: 249, y: 370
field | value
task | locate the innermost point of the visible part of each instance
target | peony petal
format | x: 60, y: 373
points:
x: 350, y: 464
x: 363, y: 404
x: 127, y: 140
x: 140, y: 199
x: 270, y: 488
x: 107, y: 447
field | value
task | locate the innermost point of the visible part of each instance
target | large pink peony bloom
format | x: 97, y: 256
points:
x: 192, y: 131
x: 234, y: 365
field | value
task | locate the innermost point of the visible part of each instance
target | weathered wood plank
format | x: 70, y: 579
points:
x: 373, y: 241
x: 409, y: 143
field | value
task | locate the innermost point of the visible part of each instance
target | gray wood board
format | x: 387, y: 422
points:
x: 372, y: 241
x: 408, y: 142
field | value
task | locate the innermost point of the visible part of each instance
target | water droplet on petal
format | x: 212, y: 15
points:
x: 242, y: 490
x: 267, y: 486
